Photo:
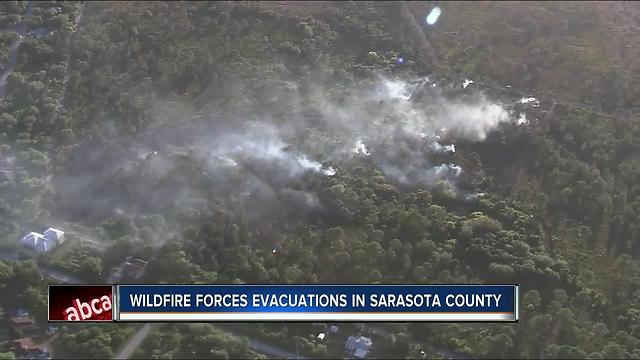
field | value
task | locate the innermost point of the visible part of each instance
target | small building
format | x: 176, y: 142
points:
x: 43, y: 243
x: 130, y: 269
x: 358, y: 346
x: 21, y: 321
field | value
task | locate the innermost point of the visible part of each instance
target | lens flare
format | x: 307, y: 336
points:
x: 433, y: 16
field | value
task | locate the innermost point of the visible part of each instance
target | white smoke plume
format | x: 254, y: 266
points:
x: 403, y: 121
x: 361, y: 148
x: 406, y: 128
x: 261, y: 143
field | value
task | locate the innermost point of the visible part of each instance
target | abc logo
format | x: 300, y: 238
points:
x: 86, y: 310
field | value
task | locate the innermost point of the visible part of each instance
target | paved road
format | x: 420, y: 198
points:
x: 134, y: 342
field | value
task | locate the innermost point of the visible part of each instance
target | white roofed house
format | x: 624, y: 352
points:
x: 54, y: 235
x: 35, y: 241
x: 43, y: 243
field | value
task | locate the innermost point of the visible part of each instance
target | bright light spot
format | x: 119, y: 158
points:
x: 399, y: 60
x: 433, y: 16
x: 273, y: 251
x: 466, y: 83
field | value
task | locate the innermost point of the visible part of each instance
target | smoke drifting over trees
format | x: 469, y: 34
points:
x: 300, y: 142
x: 399, y: 125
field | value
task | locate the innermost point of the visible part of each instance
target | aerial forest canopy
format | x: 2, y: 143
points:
x: 347, y: 142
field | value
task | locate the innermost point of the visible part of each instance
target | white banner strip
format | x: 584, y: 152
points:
x: 314, y: 316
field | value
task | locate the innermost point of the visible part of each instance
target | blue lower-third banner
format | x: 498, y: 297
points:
x: 398, y: 303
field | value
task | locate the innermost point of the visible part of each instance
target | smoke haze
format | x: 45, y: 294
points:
x: 406, y: 128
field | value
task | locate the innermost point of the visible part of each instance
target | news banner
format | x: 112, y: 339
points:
x: 261, y: 303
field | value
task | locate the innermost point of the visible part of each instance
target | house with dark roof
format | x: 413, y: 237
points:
x: 130, y: 269
x: 24, y: 324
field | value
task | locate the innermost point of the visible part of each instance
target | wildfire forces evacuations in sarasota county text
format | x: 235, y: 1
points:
x: 312, y: 300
